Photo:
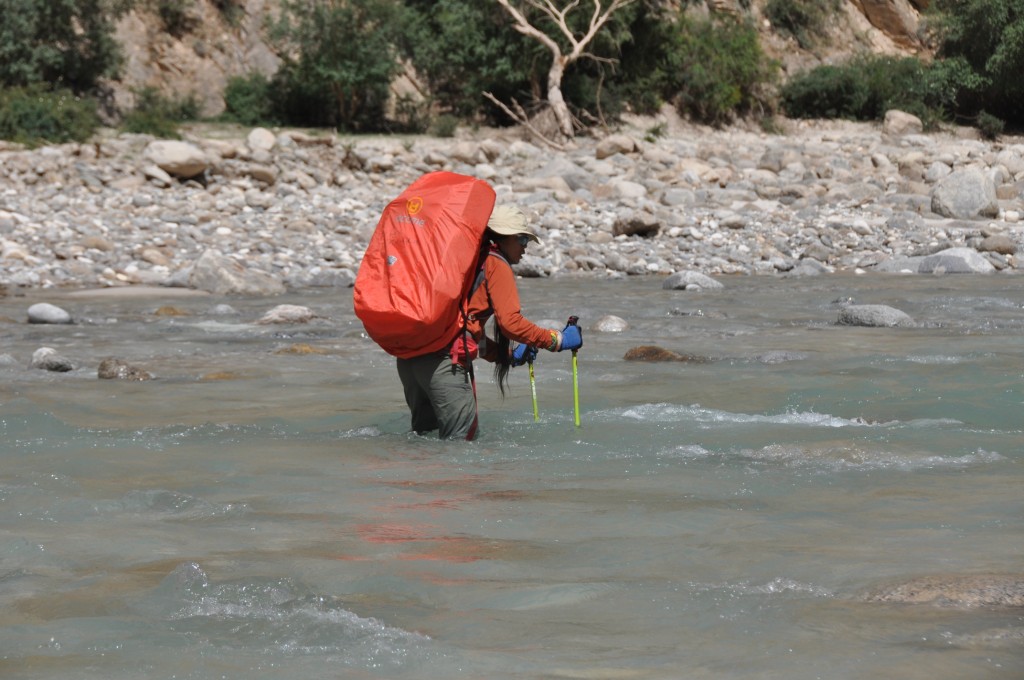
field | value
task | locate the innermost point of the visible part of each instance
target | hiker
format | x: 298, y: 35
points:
x: 439, y: 388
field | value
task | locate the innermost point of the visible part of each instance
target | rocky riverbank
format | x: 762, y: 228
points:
x: 260, y: 212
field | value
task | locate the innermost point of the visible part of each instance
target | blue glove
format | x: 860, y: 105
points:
x: 523, y: 354
x: 572, y: 338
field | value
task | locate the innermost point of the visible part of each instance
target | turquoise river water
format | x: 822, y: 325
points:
x: 259, y: 511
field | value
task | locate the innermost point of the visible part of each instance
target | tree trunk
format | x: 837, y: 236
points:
x: 555, y: 98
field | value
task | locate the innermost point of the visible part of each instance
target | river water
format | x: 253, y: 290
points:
x: 259, y: 511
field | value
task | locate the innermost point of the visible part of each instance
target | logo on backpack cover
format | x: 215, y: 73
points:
x: 414, y: 205
x: 392, y: 259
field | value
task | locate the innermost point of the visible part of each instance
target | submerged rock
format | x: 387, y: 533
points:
x: 115, y: 369
x: 955, y: 590
x: 690, y: 280
x: 874, y: 315
x: 47, y: 359
x: 610, y: 324
x: 655, y: 353
x: 288, y: 314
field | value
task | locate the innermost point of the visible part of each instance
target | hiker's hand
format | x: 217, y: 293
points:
x: 523, y: 354
x: 572, y: 338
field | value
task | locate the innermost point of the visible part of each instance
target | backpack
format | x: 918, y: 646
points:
x: 421, y: 262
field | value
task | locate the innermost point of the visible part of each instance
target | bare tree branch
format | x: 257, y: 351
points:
x: 519, y: 115
x: 559, y: 61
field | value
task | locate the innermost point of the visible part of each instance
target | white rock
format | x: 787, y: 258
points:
x: 288, y: 314
x: 261, y: 139
x: 44, y: 312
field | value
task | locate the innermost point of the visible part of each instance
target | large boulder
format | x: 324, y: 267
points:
x: 180, y: 159
x: 956, y: 261
x: 614, y: 144
x: 220, y: 275
x: 899, y: 123
x: 965, y: 194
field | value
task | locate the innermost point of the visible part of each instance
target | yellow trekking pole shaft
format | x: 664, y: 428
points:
x: 533, y: 389
x: 575, y: 390
x: 573, y: 321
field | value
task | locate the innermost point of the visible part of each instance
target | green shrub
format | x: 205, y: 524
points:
x: 69, y: 44
x: 655, y: 132
x: 462, y: 49
x: 35, y: 114
x: 987, y: 36
x: 718, y: 70
x: 990, y: 126
x: 249, y: 100
x: 412, y: 115
x: 159, y: 116
x: 340, y: 59
x: 175, y: 15
x: 444, y: 125
x: 866, y: 87
x: 233, y: 11
x: 826, y: 92
x: 805, y: 20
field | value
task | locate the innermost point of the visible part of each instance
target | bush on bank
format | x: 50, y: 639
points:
x: 35, y: 114
x: 866, y: 87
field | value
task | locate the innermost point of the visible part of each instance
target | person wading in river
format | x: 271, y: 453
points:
x: 439, y: 387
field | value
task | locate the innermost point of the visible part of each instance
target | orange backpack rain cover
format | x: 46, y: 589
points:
x: 421, y: 262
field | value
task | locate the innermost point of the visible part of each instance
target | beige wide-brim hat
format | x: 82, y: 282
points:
x: 509, y: 220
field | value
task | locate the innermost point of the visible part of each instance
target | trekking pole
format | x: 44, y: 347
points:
x: 533, y: 389
x: 575, y: 379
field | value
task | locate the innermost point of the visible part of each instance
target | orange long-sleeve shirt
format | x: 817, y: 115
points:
x: 498, y: 295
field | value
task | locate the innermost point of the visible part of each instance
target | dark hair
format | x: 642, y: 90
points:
x: 503, y: 361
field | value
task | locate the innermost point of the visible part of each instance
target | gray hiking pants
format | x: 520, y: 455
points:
x: 440, y: 396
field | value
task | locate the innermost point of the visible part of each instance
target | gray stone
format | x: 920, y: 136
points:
x: 690, y: 280
x: 261, y: 139
x: 180, y: 159
x: 639, y: 224
x: 899, y: 265
x: 44, y: 312
x: 47, y: 359
x: 610, y: 324
x: 956, y: 261
x: 874, y: 315
x: 899, y: 123
x: 965, y: 194
x: 613, y: 144
x: 222, y: 275
x: 955, y: 590
x: 288, y: 314
x: 224, y: 310
x: 115, y: 369
x: 999, y: 243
